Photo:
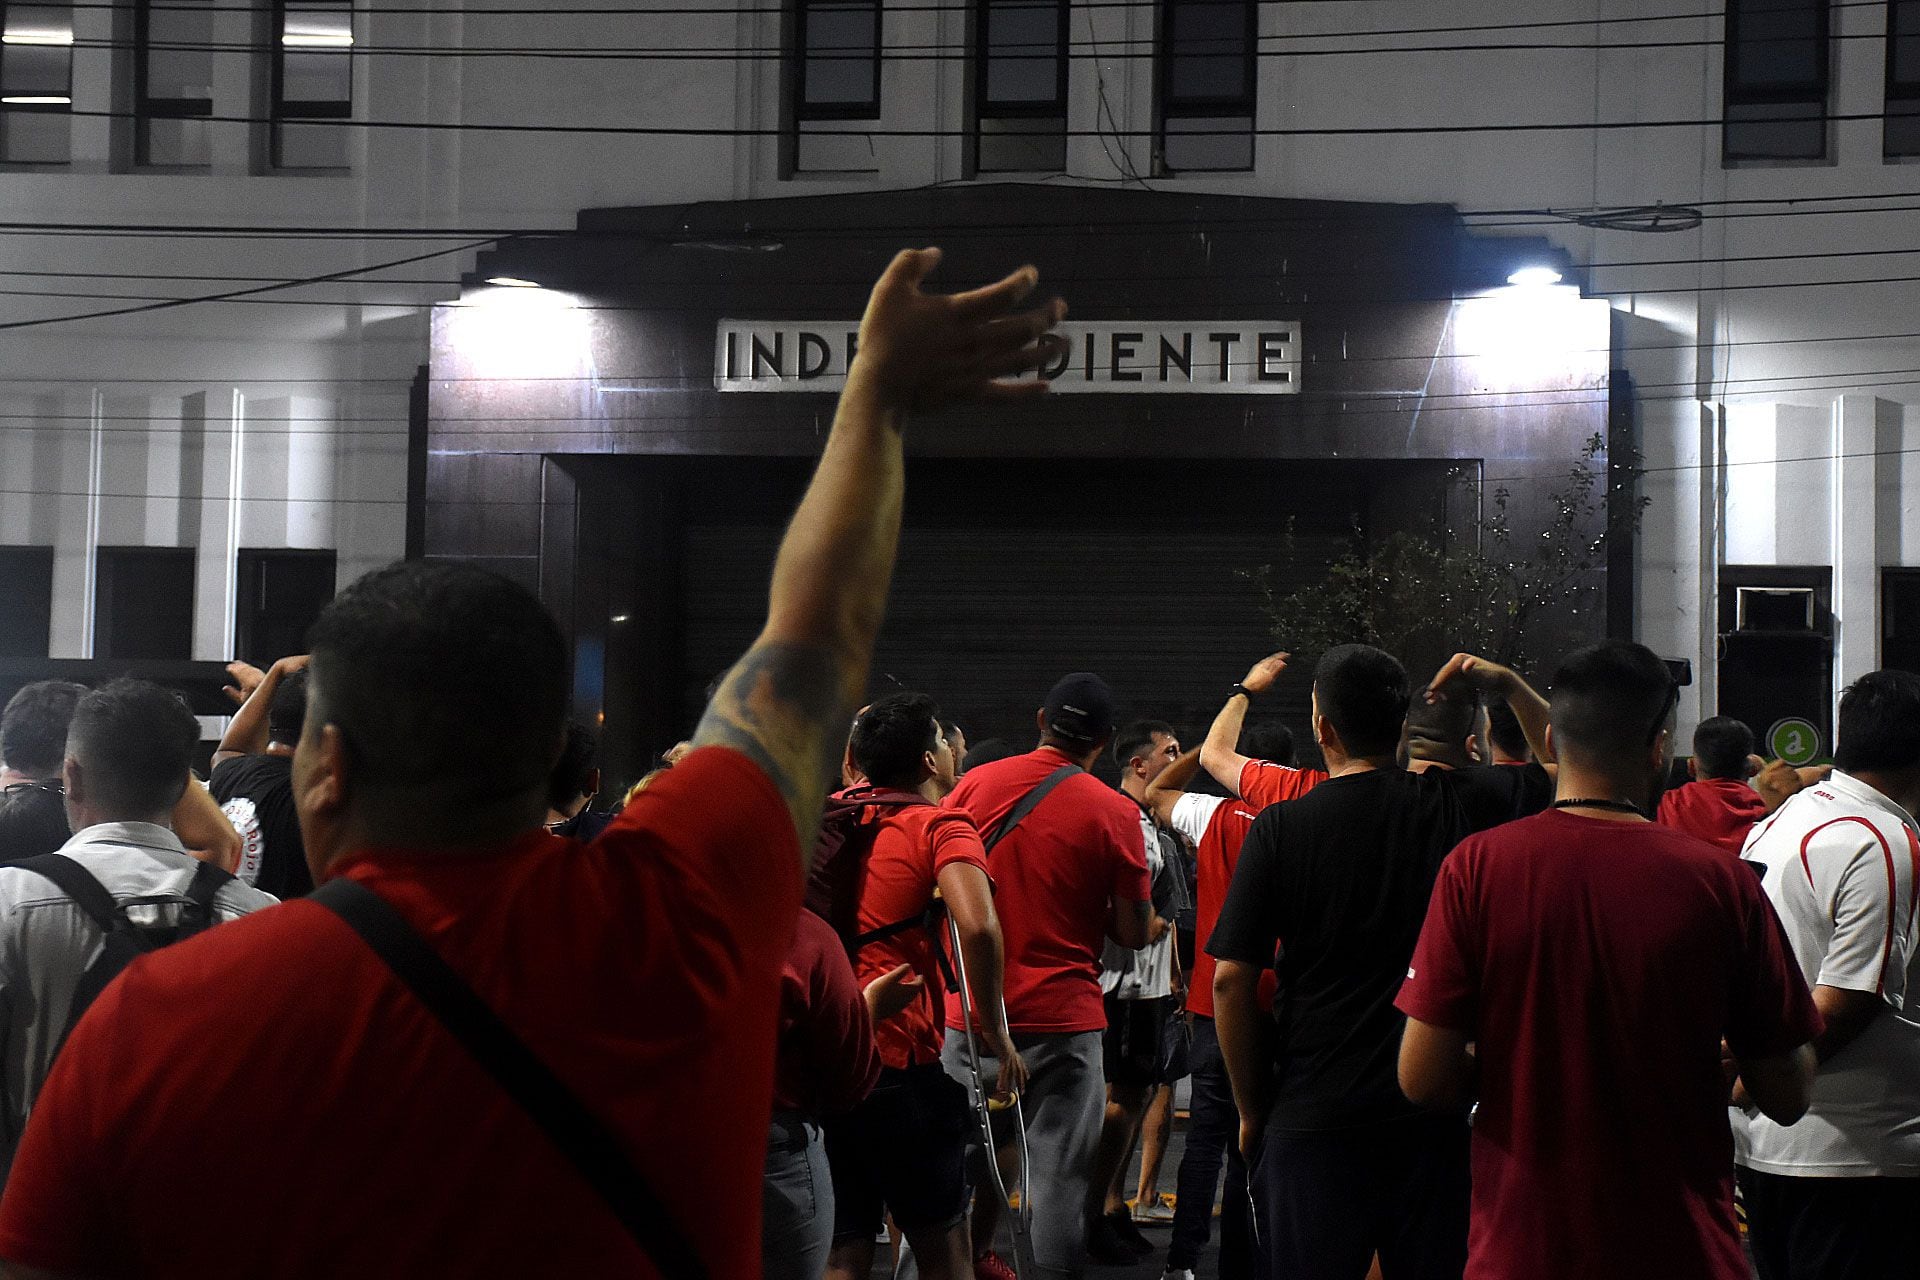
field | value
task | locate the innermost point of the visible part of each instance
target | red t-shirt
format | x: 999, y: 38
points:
x: 1597, y: 965
x: 1053, y: 877
x: 1215, y: 854
x: 274, y: 1073
x: 913, y: 846
x: 1262, y: 782
x: 1718, y: 810
x: 825, y: 1061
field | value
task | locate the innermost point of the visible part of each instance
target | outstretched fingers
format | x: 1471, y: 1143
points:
x: 992, y: 299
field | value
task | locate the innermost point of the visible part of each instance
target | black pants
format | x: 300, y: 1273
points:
x: 1832, y: 1228
x: 1329, y: 1199
x: 1213, y: 1134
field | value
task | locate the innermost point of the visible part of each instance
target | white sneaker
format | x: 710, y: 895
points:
x: 1179, y: 1274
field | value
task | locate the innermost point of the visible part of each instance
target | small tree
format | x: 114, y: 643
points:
x: 1481, y: 588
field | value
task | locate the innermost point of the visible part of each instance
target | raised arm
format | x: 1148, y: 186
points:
x: 1165, y: 791
x: 1492, y: 679
x: 787, y: 702
x: 246, y: 733
x: 1219, y: 754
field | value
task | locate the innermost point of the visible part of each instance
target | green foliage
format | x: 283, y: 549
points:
x: 1478, y: 587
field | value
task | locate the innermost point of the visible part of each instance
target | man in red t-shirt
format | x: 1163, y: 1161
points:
x: 1258, y: 782
x: 328, y: 1123
x: 1215, y: 827
x: 903, y: 1150
x: 1070, y: 875
x: 1576, y: 974
x: 1719, y: 806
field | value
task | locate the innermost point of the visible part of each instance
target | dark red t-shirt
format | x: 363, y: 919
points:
x: 267, y: 1099
x: 1263, y: 783
x: 1597, y: 964
x: 1053, y: 877
x: 825, y: 1061
x: 1718, y: 810
x: 913, y: 846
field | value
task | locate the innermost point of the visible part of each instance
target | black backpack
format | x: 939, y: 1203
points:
x: 840, y: 861
x: 126, y: 939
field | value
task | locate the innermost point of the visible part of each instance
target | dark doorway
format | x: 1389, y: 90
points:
x: 280, y: 594
x: 143, y: 602
x: 26, y: 584
x: 1900, y: 619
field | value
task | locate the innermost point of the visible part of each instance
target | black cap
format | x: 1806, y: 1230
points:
x: 1080, y: 709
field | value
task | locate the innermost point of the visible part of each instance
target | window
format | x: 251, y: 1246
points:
x: 838, y: 60
x: 1902, y: 125
x: 1021, y: 86
x: 173, y: 82
x: 26, y: 584
x: 143, y: 603
x: 1776, y: 80
x: 36, y: 82
x: 312, y: 81
x: 279, y: 595
x: 1208, y: 82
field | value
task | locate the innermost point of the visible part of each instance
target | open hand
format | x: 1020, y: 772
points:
x: 1013, y: 1068
x: 1261, y: 675
x: 925, y: 349
x: 893, y: 991
x: 1481, y: 674
x: 246, y: 678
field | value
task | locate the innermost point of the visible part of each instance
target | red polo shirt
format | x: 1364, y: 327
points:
x: 1262, y: 782
x: 274, y: 1073
x: 1053, y: 877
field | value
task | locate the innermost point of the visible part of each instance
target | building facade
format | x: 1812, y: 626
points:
x: 1732, y: 181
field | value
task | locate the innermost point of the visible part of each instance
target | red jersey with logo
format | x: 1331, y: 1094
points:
x: 1262, y: 782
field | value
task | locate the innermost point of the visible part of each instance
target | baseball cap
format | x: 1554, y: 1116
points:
x: 1080, y: 708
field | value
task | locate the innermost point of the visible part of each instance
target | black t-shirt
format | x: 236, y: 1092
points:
x: 1338, y: 882
x: 257, y: 794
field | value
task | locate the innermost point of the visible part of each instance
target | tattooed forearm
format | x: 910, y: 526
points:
x: 786, y: 707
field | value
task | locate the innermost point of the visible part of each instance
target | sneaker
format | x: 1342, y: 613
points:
x: 1106, y: 1245
x: 991, y: 1266
x: 1177, y: 1273
x: 1157, y: 1212
x: 1129, y: 1234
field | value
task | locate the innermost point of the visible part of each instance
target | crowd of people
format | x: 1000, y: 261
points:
x: 1481, y: 996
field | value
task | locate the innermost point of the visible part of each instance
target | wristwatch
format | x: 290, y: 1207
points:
x: 1240, y: 691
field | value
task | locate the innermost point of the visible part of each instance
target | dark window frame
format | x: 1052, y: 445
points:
x: 40, y: 610
x: 1897, y: 89
x: 299, y: 111
x: 146, y: 108
x: 1027, y: 109
x: 1817, y: 92
x: 108, y: 562
x: 1173, y: 108
x: 37, y: 108
x: 797, y: 62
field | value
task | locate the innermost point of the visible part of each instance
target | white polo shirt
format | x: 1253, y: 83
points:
x: 1842, y: 864
x: 47, y: 942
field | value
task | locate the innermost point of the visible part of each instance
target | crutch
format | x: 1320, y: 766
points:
x: 1021, y: 1218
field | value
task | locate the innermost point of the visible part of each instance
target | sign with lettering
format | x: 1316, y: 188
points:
x: 1234, y: 357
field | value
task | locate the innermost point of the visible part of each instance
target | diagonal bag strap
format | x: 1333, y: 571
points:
x: 1027, y: 804
x: 79, y: 884
x: 580, y: 1136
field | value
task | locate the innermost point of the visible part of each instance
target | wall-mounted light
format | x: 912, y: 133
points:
x: 36, y: 100
x: 37, y: 35
x: 621, y: 617
x: 513, y: 282
x: 1535, y: 277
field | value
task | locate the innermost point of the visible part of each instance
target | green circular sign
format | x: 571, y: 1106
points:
x: 1794, y: 740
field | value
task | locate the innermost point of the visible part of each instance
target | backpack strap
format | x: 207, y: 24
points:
x: 1028, y: 803
x: 80, y: 885
x: 205, y: 886
x: 581, y: 1137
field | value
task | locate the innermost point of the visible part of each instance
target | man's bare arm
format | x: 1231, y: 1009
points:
x: 969, y: 898
x: 1243, y: 1030
x: 1220, y: 753
x: 787, y: 702
x: 1165, y: 791
x: 1528, y: 707
x: 203, y: 828
x: 247, y: 732
x: 1781, y: 1086
x: 1436, y: 1067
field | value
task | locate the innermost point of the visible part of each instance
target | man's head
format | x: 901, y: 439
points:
x: 1444, y: 731
x: 576, y: 775
x: 1272, y: 742
x: 33, y: 729
x: 1613, y: 706
x: 898, y: 745
x: 1504, y: 734
x: 956, y: 742
x: 1722, y: 748
x: 1880, y: 734
x: 1142, y: 749
x: 437, y: 701
x: 1077, y: 716
x: 33, y: 820
x: 129, y: 754
x: 1359, y: 703
x: 287, y: 713
x: 988, y: 750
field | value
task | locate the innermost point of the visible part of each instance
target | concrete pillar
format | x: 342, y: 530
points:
x: 1856, y: 560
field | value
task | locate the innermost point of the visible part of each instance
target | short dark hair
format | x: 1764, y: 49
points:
x: 573, y: 772
x: 891, y: 738
x: 1879, y: 723
x: 949, y: 729
x: 1450, y: 718
x: 1267, y: 742
x: 33, y: 729
x: 988, y: 750
x: 1610, y: 700
x: 134, y: 742
x: 1363, y: 692
x: 1503, y: 727
x: 442, y: 675
x: 1721, y: 746
x: 1136, y: 739
x: 33, y: 820
x: 288, y: 710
